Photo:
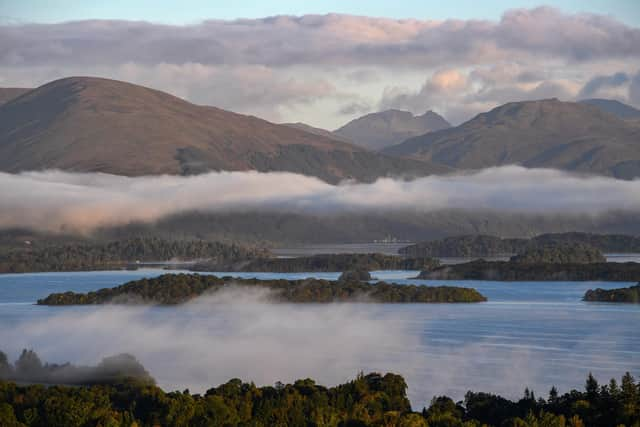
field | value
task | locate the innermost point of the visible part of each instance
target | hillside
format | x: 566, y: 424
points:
x: 617, y: 108
x: 379, y: 130
x: 91, y: 124
x: 548, y: 133
x: 9, y: 93
x: 315, y: 131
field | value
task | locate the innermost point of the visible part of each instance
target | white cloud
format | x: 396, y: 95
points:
x: 312, y: 68
x: 59, y: 200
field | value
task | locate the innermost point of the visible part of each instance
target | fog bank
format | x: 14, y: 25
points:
x: 237, y: 334
x: 54, y: 200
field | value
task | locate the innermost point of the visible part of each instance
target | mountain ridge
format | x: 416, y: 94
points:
x: 90, y: 124
x: 545, y: 133
x: 376, y: 131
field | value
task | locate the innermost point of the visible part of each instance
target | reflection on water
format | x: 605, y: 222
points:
x: 529, y: 334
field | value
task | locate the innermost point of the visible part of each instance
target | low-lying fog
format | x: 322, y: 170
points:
x: 51, y: 200
x: 440, y: 349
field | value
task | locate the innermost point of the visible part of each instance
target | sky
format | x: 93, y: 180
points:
x: 325, y: 63
x: 184, y: 12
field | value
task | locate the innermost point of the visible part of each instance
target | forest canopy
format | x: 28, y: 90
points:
x: 369, y: 400
x: 180, y: 288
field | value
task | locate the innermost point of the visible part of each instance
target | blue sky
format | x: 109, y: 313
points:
x: 20, y: 11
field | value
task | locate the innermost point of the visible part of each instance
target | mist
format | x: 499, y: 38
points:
x: 237, y: 333
x: 55, y: 200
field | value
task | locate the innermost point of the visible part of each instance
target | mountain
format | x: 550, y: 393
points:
x: 9, y: 93
x: 315, y: 131
x: 617, y: 108
x: 546, y: 133
x: 92, y: 124
x: 379, y: 130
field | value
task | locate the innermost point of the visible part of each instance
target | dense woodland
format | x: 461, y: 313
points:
x: 562, y: 253
x: 516, y: 271
x: 369, y: 400
x: 485, y: 246
x: 118, y: 254
x: 324, y: 263
x: 629, y: 295
x: 181, y: 288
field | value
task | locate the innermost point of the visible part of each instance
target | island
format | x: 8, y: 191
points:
x: 119, y: 254
x: 170, y: 289
x: 626, y: 295
x: 513, y: 271
x: 321, y: 263
x: 195, y: 255
x: 566, y: 262
x: 355, y: 275
x: 493, y: 246
x: 561, y: 253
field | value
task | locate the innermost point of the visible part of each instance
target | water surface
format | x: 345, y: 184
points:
x: 533, y: 334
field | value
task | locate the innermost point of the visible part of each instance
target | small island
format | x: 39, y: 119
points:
x: 567, y: 262
x: 626, y: 295
x: 171, y: 289
x: 93, y: 255
x: 563, y: 253
x: 359, y: 275
x: 492, y: 246
x: 321, y: 263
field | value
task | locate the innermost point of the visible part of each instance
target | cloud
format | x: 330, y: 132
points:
x: 322, y: 39
x: 56, y: 200
x: 593, y: 86
x: 256, y: 66
x: 232, y: 334
x: 634, y: 90
x: 236, y: 333
x: 354, y: 108
x: 459, y: 96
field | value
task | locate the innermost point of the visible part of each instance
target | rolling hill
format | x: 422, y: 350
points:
x: 376, y: 131
x: 547, y: 133
x: 9, y: 93
x: 88, y: 124
x: 617, y: 108
x: 316, y: 131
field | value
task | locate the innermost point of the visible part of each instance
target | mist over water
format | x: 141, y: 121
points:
x: 528, y: 334
x: 55, y: 200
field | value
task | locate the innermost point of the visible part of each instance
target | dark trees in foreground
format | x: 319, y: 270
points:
x: 369, y: 400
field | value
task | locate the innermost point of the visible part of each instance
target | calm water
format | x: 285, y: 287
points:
x: 533, y: 334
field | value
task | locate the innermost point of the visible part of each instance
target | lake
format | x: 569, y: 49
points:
x: 529, y: 334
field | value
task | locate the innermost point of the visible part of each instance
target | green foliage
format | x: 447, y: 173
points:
x: 113, y: 369
x: 180, y: 288
x: 630, y: 294
x: 563, y: 253
x: 119, y: 254
x: 517, y: 271
x: 369, y: 400
x: 486, y: 246
x: 323, y: 263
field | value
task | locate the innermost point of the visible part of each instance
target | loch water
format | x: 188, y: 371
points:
x: 529, y: 334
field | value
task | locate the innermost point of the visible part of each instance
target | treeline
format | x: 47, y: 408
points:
x: 562, y: 253
x: 114, y: 369
x: 486, y: 246
x: 323, y: 263
x: 180, y: 288
x: 628, y: 295
x: 119, y: 254
x: 369, y: 400
x: 516, y: 271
